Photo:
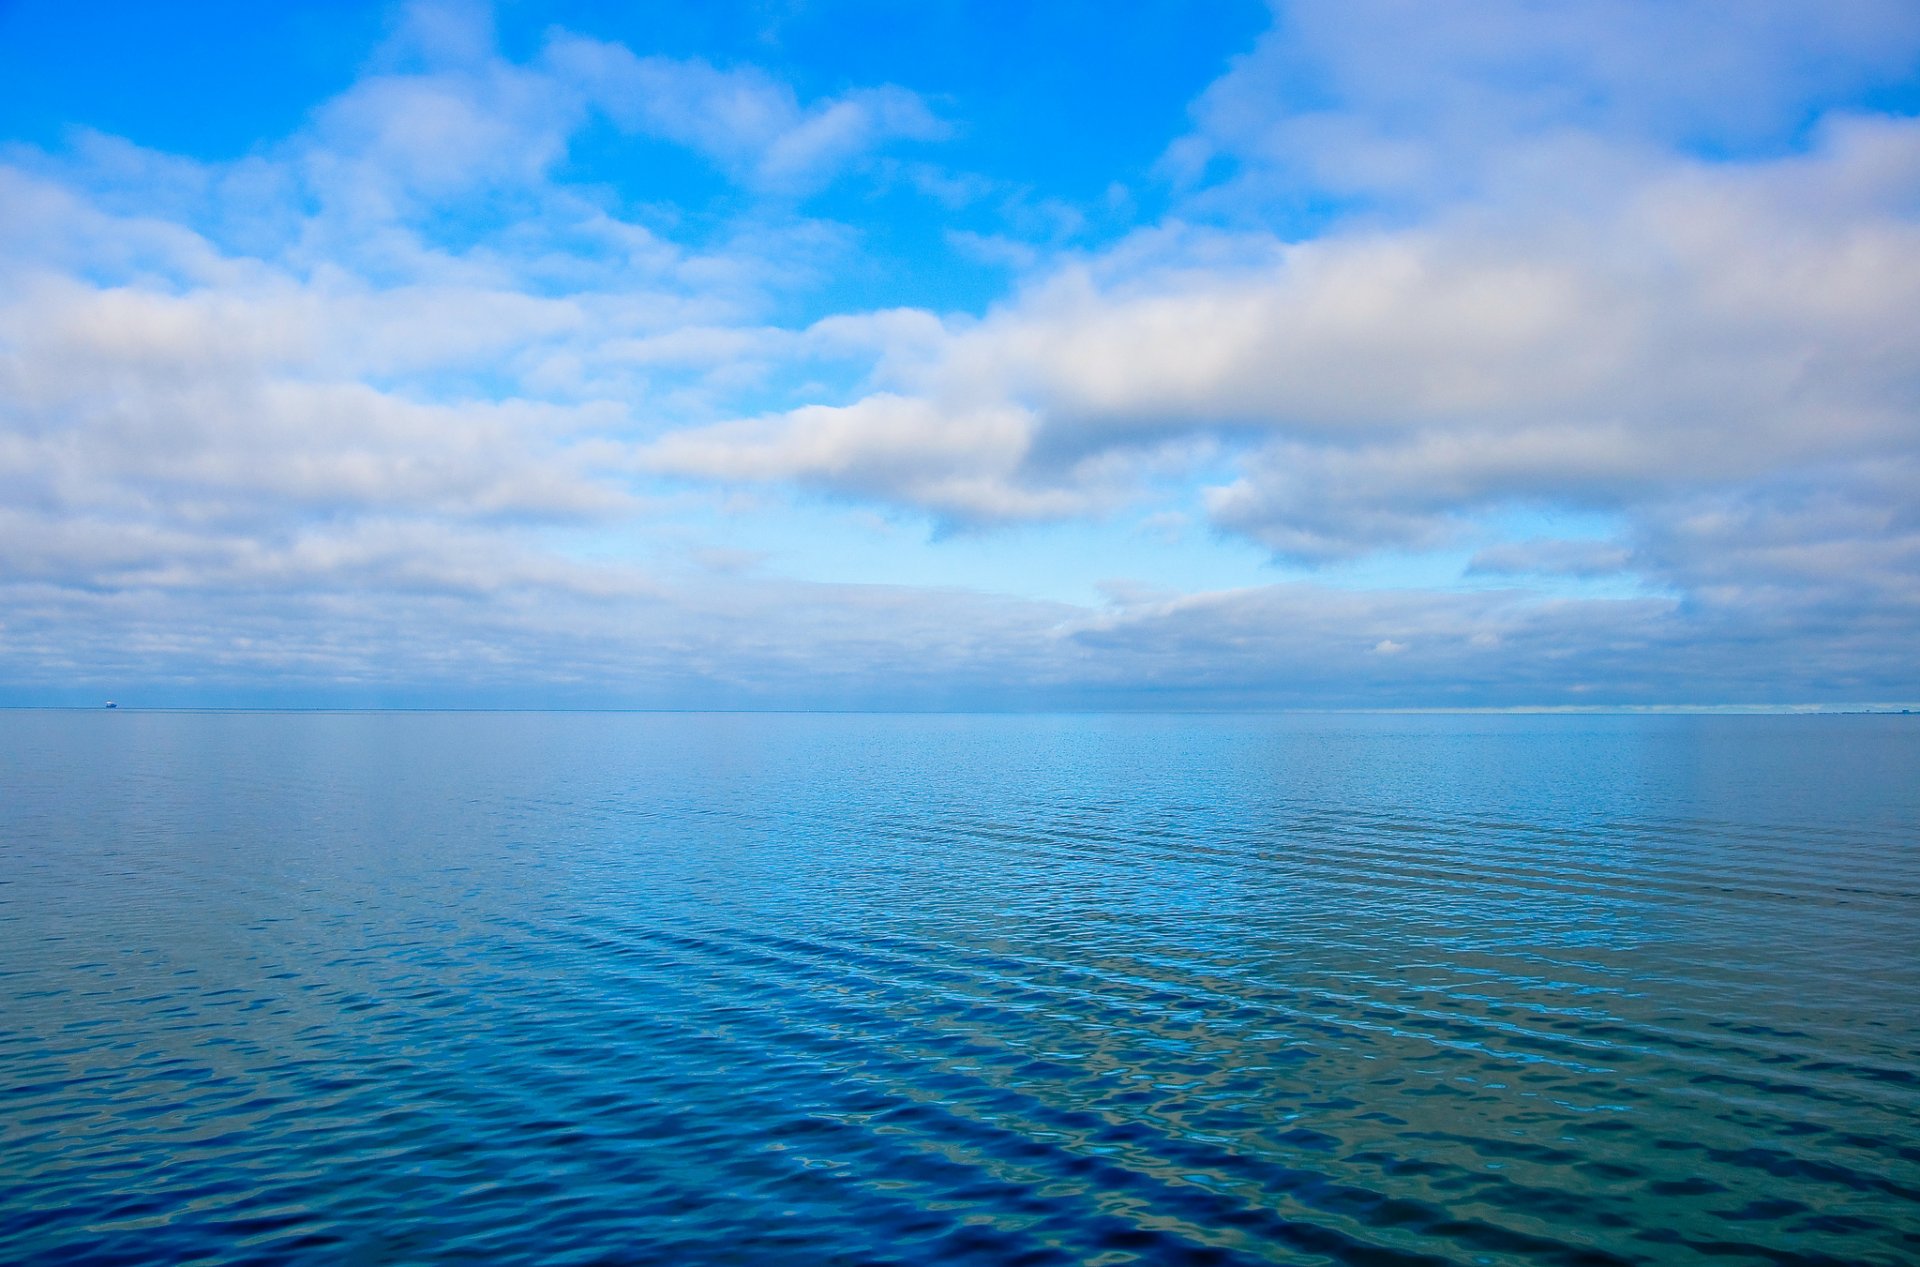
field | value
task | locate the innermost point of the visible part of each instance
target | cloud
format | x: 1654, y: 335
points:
x: 333, y: 349
x: 358, y: 412
x: 220, y: 402
x: 1316, y: 645
x: 1547, y: 556
x: 1384, y: 100
x: 1844, y: 545
x: 750, y: 124
x: 893, y: 447
x: 1606, y: 285
x: 266, y: 421
x: 1709, y: 325
x: 339, y: 615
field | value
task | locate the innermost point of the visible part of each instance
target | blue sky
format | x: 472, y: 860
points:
x: 861, y: 355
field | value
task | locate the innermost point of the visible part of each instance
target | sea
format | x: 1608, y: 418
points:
x: 601, y: 988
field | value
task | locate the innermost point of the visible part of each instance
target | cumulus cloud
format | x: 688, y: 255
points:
x: 326, y: 349
x: 1710, y: 324
x: 1580, y: 274
x: 884, y: 444
x: 962, y: 465
x: 260, y: 414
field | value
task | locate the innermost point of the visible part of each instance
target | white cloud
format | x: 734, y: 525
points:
x: 749, y: 123
x: 888, y: 446
x: 369, y: 386
x: 272, y: 418
x: 1709, y: 325
x: 1391, y: 99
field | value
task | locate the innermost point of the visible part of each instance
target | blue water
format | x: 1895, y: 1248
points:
x: 398, y: 988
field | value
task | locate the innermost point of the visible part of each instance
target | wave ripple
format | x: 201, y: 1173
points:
x: 388, y: 988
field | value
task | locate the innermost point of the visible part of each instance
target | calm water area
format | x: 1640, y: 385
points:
x: 611, y: 988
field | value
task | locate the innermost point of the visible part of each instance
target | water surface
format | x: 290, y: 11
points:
x: 397, y: 988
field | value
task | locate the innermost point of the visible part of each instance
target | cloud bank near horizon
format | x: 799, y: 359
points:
x: 1432, y: 357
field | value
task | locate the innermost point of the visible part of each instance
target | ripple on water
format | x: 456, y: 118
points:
x: 424, y: 988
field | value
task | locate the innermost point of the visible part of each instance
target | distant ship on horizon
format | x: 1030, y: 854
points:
x: 111, y: 704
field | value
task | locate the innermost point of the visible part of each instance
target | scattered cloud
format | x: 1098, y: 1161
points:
x: 750, y: 124
x: 265, y: 419
x: 1398, y: 103
x: 1711, y: 326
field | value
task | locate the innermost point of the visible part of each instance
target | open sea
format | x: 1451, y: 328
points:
x: 809, y: 989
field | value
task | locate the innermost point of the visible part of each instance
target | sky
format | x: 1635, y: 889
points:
x: 845, y: 354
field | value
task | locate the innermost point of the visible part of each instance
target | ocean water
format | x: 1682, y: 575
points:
x: 594, y: 988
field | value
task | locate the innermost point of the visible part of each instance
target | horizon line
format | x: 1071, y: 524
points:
x: 1849, y: 709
